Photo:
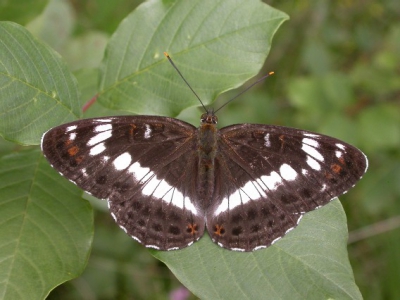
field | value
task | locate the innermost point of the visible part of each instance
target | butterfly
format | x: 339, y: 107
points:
x: 167, y: 181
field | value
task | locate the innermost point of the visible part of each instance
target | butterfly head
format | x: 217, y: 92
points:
x: 209, y: 118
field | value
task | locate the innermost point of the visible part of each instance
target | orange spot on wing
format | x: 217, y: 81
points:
x: 73, y: 150
x: 282, y: 139
x: 219, y: 230
x: 79, y: 159
x: 336, y: 168
x: 132, y: 129
x: 192, y: 228
x: 328, y: 175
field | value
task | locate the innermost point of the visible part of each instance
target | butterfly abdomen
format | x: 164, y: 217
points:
x: 206, y: 150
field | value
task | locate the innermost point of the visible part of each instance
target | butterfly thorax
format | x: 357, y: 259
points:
x: 206, y: 150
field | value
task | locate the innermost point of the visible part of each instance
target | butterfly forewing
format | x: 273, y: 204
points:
x: 142, y: 165
x: 165, y: 180
x: 267, y: 177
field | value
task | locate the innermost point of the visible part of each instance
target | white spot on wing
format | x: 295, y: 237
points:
x: 287, y: 172
x: 147, y: 133
x: 84, y: 172
x: 103, y: 127
x: 338, y: 154
x: 311, y: 135
x: 289, y: 230
x: 237, y: 249
x: 311, y: 142
x: 141, y: 174
x: 41, y: 142
x: 260, y: 186
x: 272, y: 181
x: 173, y: 248
x: 71, y: 128
x: 123, y: 161
x: 233, y: 200
x: 299, y: 219
x: 123, y: 228
x: 259, y: 247
x: 267, y: 141
x: 189, y: 206
x: 275, y: 240
x: 224, y: 206
x: 103, y: 120
x: 98, y: 138
x: 312, y: 151
x: 366, y: 162
x: 97, y: 149
x: 160, y: 188
x: 72, y: 136
x: 253, y: 190
x: 313, y: 163
x: 250, y: 191
x: 136, y: 239
x: 340, y: 146
x: 154, y: 247
x: 155, y: 187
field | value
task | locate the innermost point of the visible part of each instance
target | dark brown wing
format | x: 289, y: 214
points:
x: 267, y: 177
x: 142, y: 166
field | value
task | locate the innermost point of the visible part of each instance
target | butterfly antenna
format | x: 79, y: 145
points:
x: 187, y: 83
x: 246, y: 89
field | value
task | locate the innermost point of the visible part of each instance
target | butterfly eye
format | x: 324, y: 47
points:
x: 209, y: 118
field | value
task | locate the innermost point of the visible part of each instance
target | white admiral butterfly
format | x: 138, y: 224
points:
x: 166, y: 180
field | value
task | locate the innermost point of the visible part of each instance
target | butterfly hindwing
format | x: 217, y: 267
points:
x: 165, y: 180
x: 141, y: 165
x: 269, y: 176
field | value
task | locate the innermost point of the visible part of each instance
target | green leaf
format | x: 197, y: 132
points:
x: 88, y: 83
x: 36, y: 88
x: 340, y: 126
x: 45, y: 230
x: 85, y: 51
x: 329, y: 92
x: 21, y: 11
x: 55, y: 25
x: 217, y: 45
x: 310, y: 262
x: 379, y: 127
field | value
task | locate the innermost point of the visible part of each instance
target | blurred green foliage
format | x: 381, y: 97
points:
x: 337, y: 66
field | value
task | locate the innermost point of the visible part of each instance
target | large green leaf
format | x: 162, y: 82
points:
x: 21, y: 11
x: 311, y: 262
x: 217, y: 45
x: 36, y: 88
x: 45, y: 229
x: 55, y: 25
